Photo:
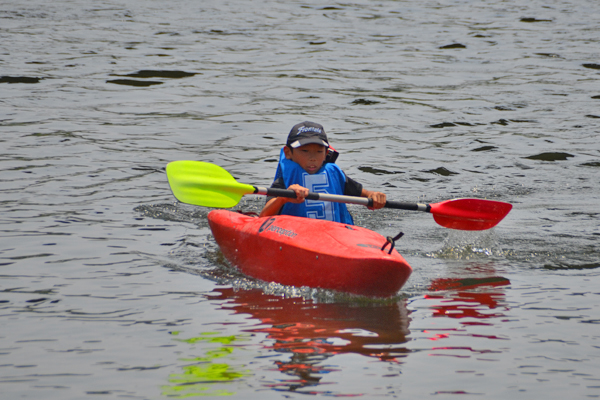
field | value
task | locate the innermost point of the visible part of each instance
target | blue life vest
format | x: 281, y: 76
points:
x: 329, y: 179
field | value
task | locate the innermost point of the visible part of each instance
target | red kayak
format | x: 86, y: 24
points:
x: 298, y: 252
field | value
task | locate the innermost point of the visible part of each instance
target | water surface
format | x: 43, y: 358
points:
x: 111, y: 288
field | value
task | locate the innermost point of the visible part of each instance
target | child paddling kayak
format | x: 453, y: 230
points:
x: 303, y: 167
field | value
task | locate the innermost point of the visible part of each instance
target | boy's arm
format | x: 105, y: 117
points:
x: 379, y: 198
x: 273, y: 206
x: 353, y: 188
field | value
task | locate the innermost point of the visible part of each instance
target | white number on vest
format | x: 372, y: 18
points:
x: 317, y: 209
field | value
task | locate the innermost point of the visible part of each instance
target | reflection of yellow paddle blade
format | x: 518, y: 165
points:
x: 205, y: 184
x: 204, y: 377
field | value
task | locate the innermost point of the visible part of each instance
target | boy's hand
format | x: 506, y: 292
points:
x: 301, y: 193
x: 379, y: 200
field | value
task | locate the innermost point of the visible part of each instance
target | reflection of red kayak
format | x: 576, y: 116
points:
x: 303, y: 327
x: 309, y: 252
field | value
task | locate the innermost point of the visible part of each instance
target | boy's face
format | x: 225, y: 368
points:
x: 310, y: 156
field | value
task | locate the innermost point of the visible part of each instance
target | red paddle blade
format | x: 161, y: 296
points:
x: 470, y: 214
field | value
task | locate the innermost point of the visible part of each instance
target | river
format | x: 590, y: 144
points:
x: 110, y: 288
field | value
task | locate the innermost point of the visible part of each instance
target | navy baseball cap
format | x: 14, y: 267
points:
x: 305, y: 133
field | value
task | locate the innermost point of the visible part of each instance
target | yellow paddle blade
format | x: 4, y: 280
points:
x: 205, y: 184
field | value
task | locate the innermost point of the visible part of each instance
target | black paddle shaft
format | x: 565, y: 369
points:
x: 273, y: 192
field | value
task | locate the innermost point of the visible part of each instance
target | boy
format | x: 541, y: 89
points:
x: 303, y: 169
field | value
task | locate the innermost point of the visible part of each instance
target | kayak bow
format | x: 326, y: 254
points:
x: 309, y: 252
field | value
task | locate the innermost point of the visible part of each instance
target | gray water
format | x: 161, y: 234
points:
x: 111, y: 289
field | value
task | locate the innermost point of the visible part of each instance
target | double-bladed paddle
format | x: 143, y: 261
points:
x: 208, y: 185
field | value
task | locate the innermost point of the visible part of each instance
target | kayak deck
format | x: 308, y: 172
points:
x: 298, y: 252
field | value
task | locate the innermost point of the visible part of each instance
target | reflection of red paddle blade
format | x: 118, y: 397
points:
x: 469, y: 214
x: 460, y: 302
x: 467, y: 283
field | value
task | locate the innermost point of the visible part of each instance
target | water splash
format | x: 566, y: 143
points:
x: 174, y: 212
x: 469, y: 245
